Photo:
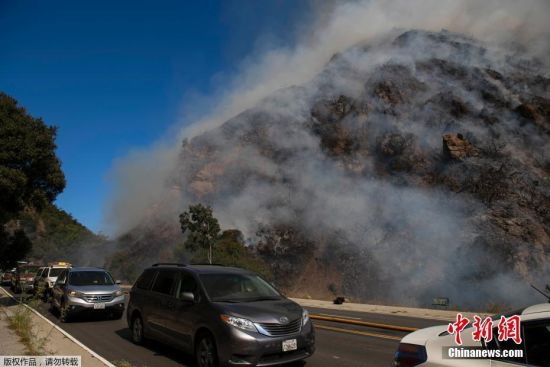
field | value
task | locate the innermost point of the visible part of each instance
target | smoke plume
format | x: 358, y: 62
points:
x: 262, y: 156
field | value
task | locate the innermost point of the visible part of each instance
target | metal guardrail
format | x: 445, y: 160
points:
x: 363, y: 323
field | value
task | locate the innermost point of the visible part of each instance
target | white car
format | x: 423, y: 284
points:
x: 429, y: 346
x: 48, y: 277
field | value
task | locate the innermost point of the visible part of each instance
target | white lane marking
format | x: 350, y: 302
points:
x: 75, y: 340
x: 340, y: 316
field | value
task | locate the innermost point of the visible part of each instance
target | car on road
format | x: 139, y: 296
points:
x: 81, y: 290
x: 7, y: 276
x: 427, y: 347
x: 23, y: 279
x: 222, y: 315
x: 47, y: 280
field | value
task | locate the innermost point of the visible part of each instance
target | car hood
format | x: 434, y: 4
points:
x: 262, y: 311
x: 95, y: 289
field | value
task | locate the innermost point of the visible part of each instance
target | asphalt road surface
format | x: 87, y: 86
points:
x: 337, y: 344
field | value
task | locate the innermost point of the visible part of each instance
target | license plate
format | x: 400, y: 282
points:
x: 99, y: 306
x: 289, y: 345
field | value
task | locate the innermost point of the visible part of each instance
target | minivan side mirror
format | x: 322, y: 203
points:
x: 117, y: 281
x: 187, y: 296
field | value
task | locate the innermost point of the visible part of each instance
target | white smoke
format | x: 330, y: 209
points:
x: 361, y: 208
x: 345, y: 24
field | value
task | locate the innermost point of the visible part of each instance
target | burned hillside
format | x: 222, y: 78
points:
x: 407, y: 169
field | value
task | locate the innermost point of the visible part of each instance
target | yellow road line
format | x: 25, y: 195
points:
x: 340, y: 316
x: 357, y: 332
x: 363, y: 323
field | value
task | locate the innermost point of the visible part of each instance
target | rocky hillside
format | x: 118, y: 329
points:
x: 408, y: 169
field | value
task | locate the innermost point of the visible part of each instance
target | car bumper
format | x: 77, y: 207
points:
x: 78, y: 305
x: 240, y: 348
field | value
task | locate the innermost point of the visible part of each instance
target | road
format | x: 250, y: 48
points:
x: 337, y: 344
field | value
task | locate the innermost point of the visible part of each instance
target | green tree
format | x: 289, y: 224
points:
x: 14, y: 247
x: 202, y: 228
x: 30, y: 172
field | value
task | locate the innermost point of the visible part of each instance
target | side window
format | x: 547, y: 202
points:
x: 536, y: 335
x: 62, y: 277
x: 45, y: 273
x: 186, y: 284
x: 164, y: 282
x: 145, y: 280
x: 505, y: 345
x: 39, y: 272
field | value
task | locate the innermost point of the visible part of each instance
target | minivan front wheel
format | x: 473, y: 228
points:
x: 137, y: 330
x: 205, y: 352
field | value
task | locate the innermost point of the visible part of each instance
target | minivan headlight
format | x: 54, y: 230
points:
x: 118, y: 293
x: 238, y: 322
x: 305, y: 317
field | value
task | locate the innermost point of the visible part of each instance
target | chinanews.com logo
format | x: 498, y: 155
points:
x: 507, y: 330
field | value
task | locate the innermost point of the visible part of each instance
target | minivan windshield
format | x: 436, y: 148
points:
x: 80, y: 278
x: 238, y: 288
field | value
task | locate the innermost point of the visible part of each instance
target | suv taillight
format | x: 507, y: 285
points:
x: 409, y: 355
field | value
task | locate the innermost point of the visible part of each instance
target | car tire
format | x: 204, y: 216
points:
x: 64, y: 315
x: 206, y: 354
x: 138, y: 336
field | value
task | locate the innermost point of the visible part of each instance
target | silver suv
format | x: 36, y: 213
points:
x: 79, y: 290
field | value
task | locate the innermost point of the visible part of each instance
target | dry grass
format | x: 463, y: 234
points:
x: 123, y: 363
x: 21, y: 322
x: 497, y: 308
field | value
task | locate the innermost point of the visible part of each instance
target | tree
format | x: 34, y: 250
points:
x: 203, y: 229
x: 14, y: 247
x: 30, y: 172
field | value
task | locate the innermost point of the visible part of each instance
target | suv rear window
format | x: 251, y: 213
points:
x: 54, y: 272
x: 28, y: 270
x: 144, y: 281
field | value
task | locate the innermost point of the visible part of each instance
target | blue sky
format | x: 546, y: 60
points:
x: 112, y: 75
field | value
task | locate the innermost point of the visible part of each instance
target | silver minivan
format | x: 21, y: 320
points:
x: 86, y: 290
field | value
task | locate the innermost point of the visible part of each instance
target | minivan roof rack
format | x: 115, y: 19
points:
x: 213, y: 264
x: 171, y: 264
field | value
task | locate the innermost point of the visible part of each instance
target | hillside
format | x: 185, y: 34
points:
x: 410, y: 168
x: 56, y: 235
